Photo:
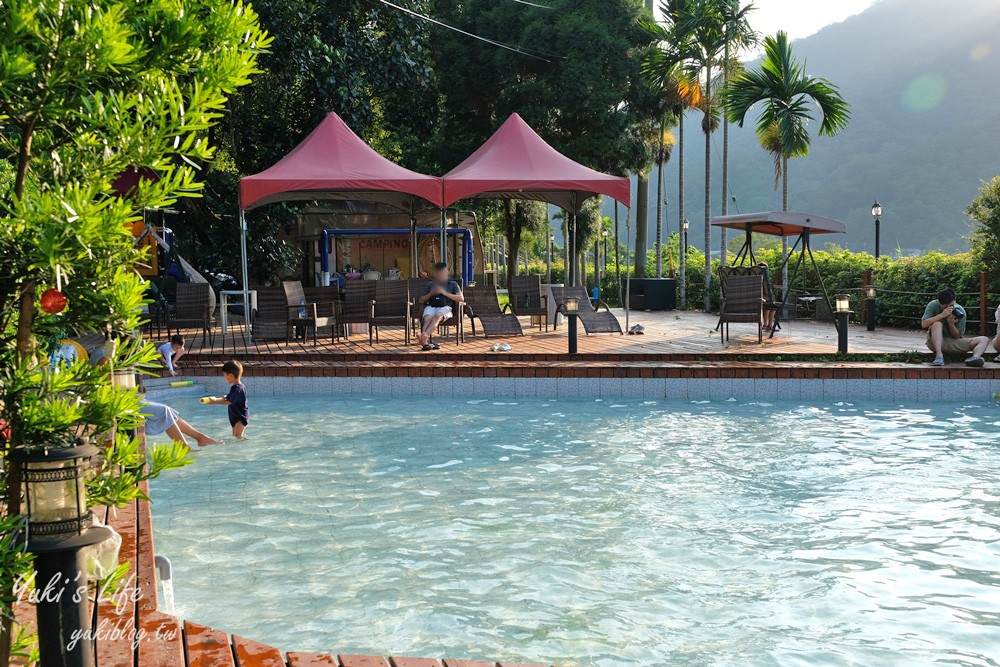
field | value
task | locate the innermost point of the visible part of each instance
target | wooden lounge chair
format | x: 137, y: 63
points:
x: 593, y: 319
x: 358, y: 306
x: 193, y: 309
x: 302, y: 315
x: 391, y: 308
x: 270, y: 319
x: 482, y: 303
x: 416, y: 288
x: 742, y: 301
x: 527, y: 300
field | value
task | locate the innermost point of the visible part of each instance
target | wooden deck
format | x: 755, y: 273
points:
x: 132, y: 633
x: 668, y: 335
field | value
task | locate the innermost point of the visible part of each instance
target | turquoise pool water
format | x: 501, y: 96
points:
x: 595, y: 532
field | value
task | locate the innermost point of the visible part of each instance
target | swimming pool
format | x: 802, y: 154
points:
x: 595, y: 532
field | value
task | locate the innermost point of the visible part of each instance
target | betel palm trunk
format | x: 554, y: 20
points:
x: 680, y: 208
x: 784, y: 207
x: 659, y: 207
x: 708, y: 187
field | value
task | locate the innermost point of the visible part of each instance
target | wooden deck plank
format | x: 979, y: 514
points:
x: 402, y: 661
x: 117, y: 620
x: 206, y: 647
x: 300, y: 659
x: 347, y: 660
x: 254, y: 654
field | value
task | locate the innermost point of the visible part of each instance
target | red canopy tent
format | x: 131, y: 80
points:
x: 334, y: 163
x: 516, y: 163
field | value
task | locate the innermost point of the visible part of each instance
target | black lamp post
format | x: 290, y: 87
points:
x: 843, y: 310
x: 59, y: 526
x: 572, y: 310
x: 686, y: 225
x: 877, y: 214
x: 548, y: 254
x: 870, y: 304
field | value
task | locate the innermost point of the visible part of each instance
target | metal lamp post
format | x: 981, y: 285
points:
x: 843, y: 310
x: 572, y: 311
x: 59, y: 526
x: 686, y: 225
x: 877, y: 214
x: 870, y: 305
x: 548, y: 255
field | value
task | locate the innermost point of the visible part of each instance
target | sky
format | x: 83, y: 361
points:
x: 801, y: 18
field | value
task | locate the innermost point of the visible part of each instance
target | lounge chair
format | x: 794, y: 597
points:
x: 270, y: 319
x: 593, y: 319
x: 391, y: 308
x: 725, y: 272
x: 742, y: 301
x: 302, y: 314
x: 195, y: 303
x: 482, y: 303
x: 527, y: 300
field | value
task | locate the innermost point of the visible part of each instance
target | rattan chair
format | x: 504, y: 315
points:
x: 270, y: 319
x: 482, y: 303
x: 726, y: 272
x: 358, y: 306
x: 302, y: 314
x: 527, y: 300
x: 593, y: 320
x: 193, y: 310
x: 418, y: 287
x: 742, y: 301
x: 391, y: 308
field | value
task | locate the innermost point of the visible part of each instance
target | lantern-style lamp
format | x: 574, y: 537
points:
x: 123, y: 378
x: 869, y: 292
x: 871, y: 315
x: 843, y: 311
x: 59, y: 526
x: 843, y: 303
x: 877, y: 214
x: 572, y: 308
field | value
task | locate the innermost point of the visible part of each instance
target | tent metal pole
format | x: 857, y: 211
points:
x: 247, y: 309
x: 618, y: 265
x: 413, y: 244
x: 628, y: 258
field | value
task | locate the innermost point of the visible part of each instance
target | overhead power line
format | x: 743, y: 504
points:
x: 430, y: 19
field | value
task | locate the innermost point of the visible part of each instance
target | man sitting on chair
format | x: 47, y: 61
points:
x: 945, y: 323
x: 439, y: 295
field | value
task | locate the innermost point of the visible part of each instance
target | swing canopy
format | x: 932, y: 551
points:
x: 781, y: 223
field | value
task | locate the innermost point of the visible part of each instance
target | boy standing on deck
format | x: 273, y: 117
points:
x: 172, y: 351
x: 945, y: 323
x: 236, y: 399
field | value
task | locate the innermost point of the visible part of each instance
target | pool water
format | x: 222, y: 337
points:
x: 595, y: 532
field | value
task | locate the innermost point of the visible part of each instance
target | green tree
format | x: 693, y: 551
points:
x: 518, y: 218
x: 88, y: 90
x: 985, y: 212
x: 788, y: 95
x: 576, y: 79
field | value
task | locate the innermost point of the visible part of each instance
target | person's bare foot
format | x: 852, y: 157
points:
x: 204, y: 441
x: 422, y: 338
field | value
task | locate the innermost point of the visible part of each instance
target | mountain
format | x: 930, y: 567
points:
x: 923, y: 81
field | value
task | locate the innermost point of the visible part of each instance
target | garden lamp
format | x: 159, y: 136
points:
x: 59, y: 525
x: 843, y: 310
x: 843, y: 303
x: 871, y: 315
x: 572, y: 308
x: 123, y: 378
x: 877, y: 214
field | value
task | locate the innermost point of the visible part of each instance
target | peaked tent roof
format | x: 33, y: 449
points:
x: 516, y: 163
x: 781, y: 223
x: 334, y: 163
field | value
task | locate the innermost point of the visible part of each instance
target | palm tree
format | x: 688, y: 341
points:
x: 665, y: 149
x: 738, y: 35
x: 788, y: 96
x: 667, y: 68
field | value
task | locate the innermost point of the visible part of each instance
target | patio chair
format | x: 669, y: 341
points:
x: 327, y: 300
x: 358, y: 305
x: 193, y: 310
x: 527, y: 300
x: 270, y: 319
x: 482, y: 302
x: 725, y: 272
x: 593, y: 319
x: 417, y: 287
x: 391, y: 308
x: 742, y: 301
x: 302, y: 314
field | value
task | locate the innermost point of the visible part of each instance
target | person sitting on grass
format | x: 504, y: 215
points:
x: 171, y: 352
x: 945, y: 322
x: 162, y: 418
x: 438, y: 297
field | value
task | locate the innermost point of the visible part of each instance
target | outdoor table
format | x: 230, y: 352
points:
x: 224, y: 305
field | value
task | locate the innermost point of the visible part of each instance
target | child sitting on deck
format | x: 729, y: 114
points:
x: 236, y: 399
x: 172, y: 352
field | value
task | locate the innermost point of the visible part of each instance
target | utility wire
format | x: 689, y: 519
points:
x: 424, y: 17
x: 532, y: 4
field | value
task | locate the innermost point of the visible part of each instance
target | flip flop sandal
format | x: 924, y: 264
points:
x: 427, y: 347
x: 435, y: 346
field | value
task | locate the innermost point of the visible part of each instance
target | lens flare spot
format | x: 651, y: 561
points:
x: 925, y: 92
x: 980, y: 51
